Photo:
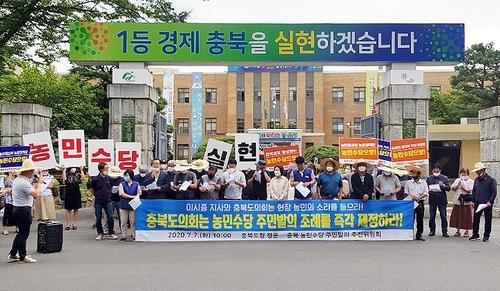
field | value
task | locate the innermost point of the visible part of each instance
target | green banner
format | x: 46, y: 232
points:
x: 128, y: 128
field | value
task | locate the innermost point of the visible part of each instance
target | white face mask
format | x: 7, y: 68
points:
x: 464, y: 177
x: 387, y: 173
x: 170, y: 169
x: 72, y: 170
x: 142, y: 175
x: 329, y: 168
x: 436, y: 174
x: 362, y: 168
x: 277, y: 173
x: 127, y: 178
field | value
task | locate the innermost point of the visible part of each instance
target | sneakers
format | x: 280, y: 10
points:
x: 12, y: 258
x: 99, y: 237
x: 474, y: 237
x: 432, y: 233
x: 113, y: 237
x: 445, y: 234
x: 28, y: 259
x: 122, y: 239
x: 486, y: 239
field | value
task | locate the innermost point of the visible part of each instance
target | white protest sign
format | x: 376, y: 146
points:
x: 128, y: 156
x: 71, y: 148
x: 247, y: 150
x: 217, y: 153
x: 41, y: 149
x: 100, y: 151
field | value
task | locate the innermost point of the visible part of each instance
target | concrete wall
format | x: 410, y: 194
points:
x: 23, y: 118
x: 490, y: 142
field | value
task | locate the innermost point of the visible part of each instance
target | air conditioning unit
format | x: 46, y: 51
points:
x: 469, y: 120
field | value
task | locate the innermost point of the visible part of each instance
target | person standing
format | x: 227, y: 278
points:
x: 484, y: 193
x: 45, y: 208
x: 128, y: 190
x: 101, y: 189
x: 160, y: 178
x: 417, y: 190
x: 7, y: 219
x: 170, y: 178
x: 72, y: 177
x: 302, y: 175
x: 279, y: 186
x: 23, y: 193
x: 199, y: 168
x: 329, y: 181
x: 461, y: 215
x: 184, y: 175
x: 362, y: 183
x: 233, y: 181
x: 115, y: 174
x: 387, y: 184
x: 144, y: 179
x: 209, y: 184
x: 259, y: 181
x: 438, y: 200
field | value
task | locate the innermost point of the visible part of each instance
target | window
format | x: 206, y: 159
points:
x: 240, y: 95
x: 359, y: 94
x: 292, y: 123
x: 309, y: 125
x: 435, y: 88
x: 183, y: 126
x: 257, y: 123
x: 337, y: 125
x: 183, y: 152
x: 240, y: 125
x: 257, y: 95
x: 211, y: 95
x: 310, y: 94
x: 292, y: 94
x: 309, y: 144
x: 183, y: 95
x: 357, y: 125
x: 276, y: 91
x: 210, y: 125
x: 337, y: 94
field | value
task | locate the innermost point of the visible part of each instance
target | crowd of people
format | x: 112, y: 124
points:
x: 113, y: 189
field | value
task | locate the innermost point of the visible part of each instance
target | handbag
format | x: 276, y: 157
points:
x: 465, y: 198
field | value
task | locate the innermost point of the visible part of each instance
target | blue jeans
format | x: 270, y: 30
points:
x: 108, y: 207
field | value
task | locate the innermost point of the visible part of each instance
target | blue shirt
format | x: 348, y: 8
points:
x: 102, y: 188
x: 305, y: 176
x: 329, y: 184
x: 438, y: 197
x: 484, y: 190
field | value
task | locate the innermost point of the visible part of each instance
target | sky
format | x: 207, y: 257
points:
x: 481, y: 18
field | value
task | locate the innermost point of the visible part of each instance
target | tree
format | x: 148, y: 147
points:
x: 73, y: 101
x: 479, y: 75
x: 320, y: 152
x: 449, y: 107
x: 200, y: 153
x: 43, y: 25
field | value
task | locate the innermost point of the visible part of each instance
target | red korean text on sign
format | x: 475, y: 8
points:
x: 127, y: 160
x: 101, y: 156
x: 39, y: 152
x: 72, y: 148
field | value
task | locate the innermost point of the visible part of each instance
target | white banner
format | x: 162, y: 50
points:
x: 41, y: 149
x: 128, y: 156
x: 71, y: 148
x: 168, y: 94
x: 247, y: 150
x: 100, y: 151
x: 217, y: 153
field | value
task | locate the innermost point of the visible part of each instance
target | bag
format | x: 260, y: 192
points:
x: 465, y: 198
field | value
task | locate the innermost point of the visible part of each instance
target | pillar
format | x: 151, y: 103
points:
x: 23, y: 118
x: 489, y: 122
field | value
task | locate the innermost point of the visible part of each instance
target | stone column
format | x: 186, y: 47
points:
x: 489, y: 121
x: 135, y: 104
x: 403, y: 102
x: 23, y: 118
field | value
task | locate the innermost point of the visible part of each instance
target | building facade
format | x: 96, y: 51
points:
x: 325, y: 105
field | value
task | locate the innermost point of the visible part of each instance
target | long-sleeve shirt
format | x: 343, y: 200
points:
x: 438, y: 197
x: 279, y: 188
x: 484, y: 190
x: 361, y: 187
x: 467, y: 184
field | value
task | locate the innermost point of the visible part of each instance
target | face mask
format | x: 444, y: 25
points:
x: 127, y: 178
x: 142, y: 175
x: 170, y: 169
x: 72, y: 170
x: 277, y: 173
x: 464, y: 177
x: 436, y: 174
x: 416, y: 177
x: 329, y: 168
x: 210, y: 175
x: 362, y: 169
x: 163, y: 167
x: 199, y: 170
x: 387, y: 173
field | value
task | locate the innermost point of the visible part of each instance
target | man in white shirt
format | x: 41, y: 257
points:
x: 417, y: 190
x: 233, y: 181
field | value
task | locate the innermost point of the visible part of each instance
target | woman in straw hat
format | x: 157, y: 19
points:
x: 23, y: 192
x: 417, y: 190
x: 461, y: 215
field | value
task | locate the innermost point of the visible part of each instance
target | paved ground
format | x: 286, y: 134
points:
x: 85, y: 264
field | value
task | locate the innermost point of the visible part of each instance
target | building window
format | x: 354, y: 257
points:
x: 183, y: 95
x: 357, y: 125
x: 309, y: 125
x: 211, y: 95
x: 210, y: 125
x: 359, y: 94
x: 240, y: 125
x: 183, y: 126
x: 292, y: 94
x: 257, y: 95
x: 337, y: 94
x: 310, y: 94
x: 309, y: 144
x: 183, y: 152
x: 257, y: 123
x: 276, y: 92
x: 435, y: 89
x: 292, y: 123
x: 273, y: 124
x: 337, y: 125
x: 240, y: 95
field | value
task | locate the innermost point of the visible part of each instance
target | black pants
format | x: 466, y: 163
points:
x: 22, y: 217
x: 419, y: 216
x: 433, y: 207
x: 488, y: 212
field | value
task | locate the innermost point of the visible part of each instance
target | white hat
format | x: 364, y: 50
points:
x: 28, y: 165
x: 479, y: 166
x: 114, y: 172
x: 182, y: 165
x: 199, y: 165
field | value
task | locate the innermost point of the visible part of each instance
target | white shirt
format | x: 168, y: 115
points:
x: 468, y: 184
x: 233, y: 191
x: 47, y: 180
x: 417, y: 188
x: 21, y: 190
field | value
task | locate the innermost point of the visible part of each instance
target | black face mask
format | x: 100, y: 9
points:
x: 211, y: 175
x: 416, y: 177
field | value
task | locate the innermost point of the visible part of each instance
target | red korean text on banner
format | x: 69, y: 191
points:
x: 281, y: 156
x: 352, y: 150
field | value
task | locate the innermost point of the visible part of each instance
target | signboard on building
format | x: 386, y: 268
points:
x: 128, y: 128
x: 274, y: 69
x: 168, y: 94
x: 132, y: 76
x: 233, y: 43
x: 371, y: 87
x: 196, y: 112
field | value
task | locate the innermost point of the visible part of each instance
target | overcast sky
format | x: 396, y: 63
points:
x: 481, y: 17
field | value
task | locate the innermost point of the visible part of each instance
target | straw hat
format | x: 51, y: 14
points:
x: 28, y: 165
x: 479, y: 166
x: 335, y: 163
x: 114, y: 172
x: 199, y: 165
x: 182, y: 165
x: 415, y: 169
x: 360, y: 162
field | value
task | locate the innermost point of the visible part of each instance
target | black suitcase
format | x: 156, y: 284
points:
x: 50, y: 237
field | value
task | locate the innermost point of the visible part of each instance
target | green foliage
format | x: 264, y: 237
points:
x: 73, y: 101
x: 449, y: 107
x: 320, y: 152
x: 170, y: 128
x: 200, y: 153
x: 161, y: 104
